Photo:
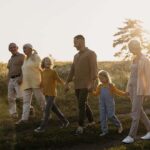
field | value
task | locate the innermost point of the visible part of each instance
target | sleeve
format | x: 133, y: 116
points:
x: 22, y: 61
x: 116, y: 91
x: 71, y: 73
x: 146, y: 76
x: 37, y: 60
x: 41, y: 79
x: 97, y: 91
x: 8, y: 67
x: 58, y: 78
x: 128, y: 85
x: 93, y: 65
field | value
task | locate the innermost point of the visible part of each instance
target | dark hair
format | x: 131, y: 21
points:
x: 79, y: 37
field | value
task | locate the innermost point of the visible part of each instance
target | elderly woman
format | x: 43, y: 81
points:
x: 138, y: 87
x: 31, y: 81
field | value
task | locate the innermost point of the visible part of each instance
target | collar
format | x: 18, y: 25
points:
x: 15, y: 54
x: 85, y: 49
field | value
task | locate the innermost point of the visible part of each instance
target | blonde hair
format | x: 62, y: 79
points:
x: 105, y: 74
x: 50, y: 59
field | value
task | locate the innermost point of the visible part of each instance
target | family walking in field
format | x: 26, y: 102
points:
x: 28, y: 75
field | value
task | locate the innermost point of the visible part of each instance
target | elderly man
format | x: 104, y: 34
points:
x: 84, y: 71
x: 14, y: 78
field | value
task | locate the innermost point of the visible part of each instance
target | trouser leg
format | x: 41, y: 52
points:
x: 111, y: 113
x: 82, y: 98
x: 103, y: 116
x: 89, y: 113
x: 11, y: 97
x: 48, y: 108
x: 58, y: 112
x: 27, y: 97
x: 40, y: 98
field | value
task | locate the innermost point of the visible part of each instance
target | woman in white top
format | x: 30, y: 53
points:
x: 138, y: 87
x: 31, y: 81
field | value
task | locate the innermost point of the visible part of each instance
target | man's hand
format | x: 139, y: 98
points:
x: 93, y: 86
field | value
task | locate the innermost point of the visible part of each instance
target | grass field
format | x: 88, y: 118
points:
x: 23, y: 137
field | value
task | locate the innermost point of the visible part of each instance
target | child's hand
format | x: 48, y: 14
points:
x: 127, y: 94
x: 66, y: 87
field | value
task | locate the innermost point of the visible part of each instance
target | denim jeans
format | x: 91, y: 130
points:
x: 51, y: 106
x: 107, y: 109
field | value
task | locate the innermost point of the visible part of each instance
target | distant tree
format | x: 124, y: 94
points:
x: 132, y: 29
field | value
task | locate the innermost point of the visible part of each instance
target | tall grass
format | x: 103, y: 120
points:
x: 3, y: 79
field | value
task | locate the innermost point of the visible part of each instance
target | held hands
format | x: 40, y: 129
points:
x: 92, y: 87
x: 127, y: 94
x: 66, y: 87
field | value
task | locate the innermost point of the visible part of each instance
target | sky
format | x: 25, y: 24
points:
x: 50, y: 25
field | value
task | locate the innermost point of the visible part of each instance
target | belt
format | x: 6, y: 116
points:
x: 15, y: 76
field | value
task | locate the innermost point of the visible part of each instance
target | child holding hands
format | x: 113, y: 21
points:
x: 48, y: 85
x: 107, y: 90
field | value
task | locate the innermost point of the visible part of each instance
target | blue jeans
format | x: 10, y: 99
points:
x: 50, y: 105
x: 107, y: 109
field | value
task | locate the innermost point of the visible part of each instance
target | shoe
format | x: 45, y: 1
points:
x: 65, y: 125
x: 20, y: 122
x: 146, y: 137
x: 120, y: 129
x: 103, y: 134
x: 128, y: 140
x: 79, y: 131
x: 14, y: 116
x: 91, y: 124
x: 39, y: 130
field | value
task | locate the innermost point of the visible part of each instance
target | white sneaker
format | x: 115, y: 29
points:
x: 103, y: 133
x: 128, y: 140
x: 146, y: 137
x: 79, y: 130
x: 120, y: 129
x: 39, y: 130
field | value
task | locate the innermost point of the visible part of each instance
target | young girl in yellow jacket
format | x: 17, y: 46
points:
x: 50, y: 79
x: 106, y: 91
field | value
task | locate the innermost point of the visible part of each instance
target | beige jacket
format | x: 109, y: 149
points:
x: 31, y: 72
x: 143, y: 80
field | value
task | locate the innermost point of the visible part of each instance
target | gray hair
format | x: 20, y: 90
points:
x: 135, y: 43
x: 28, y: 45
